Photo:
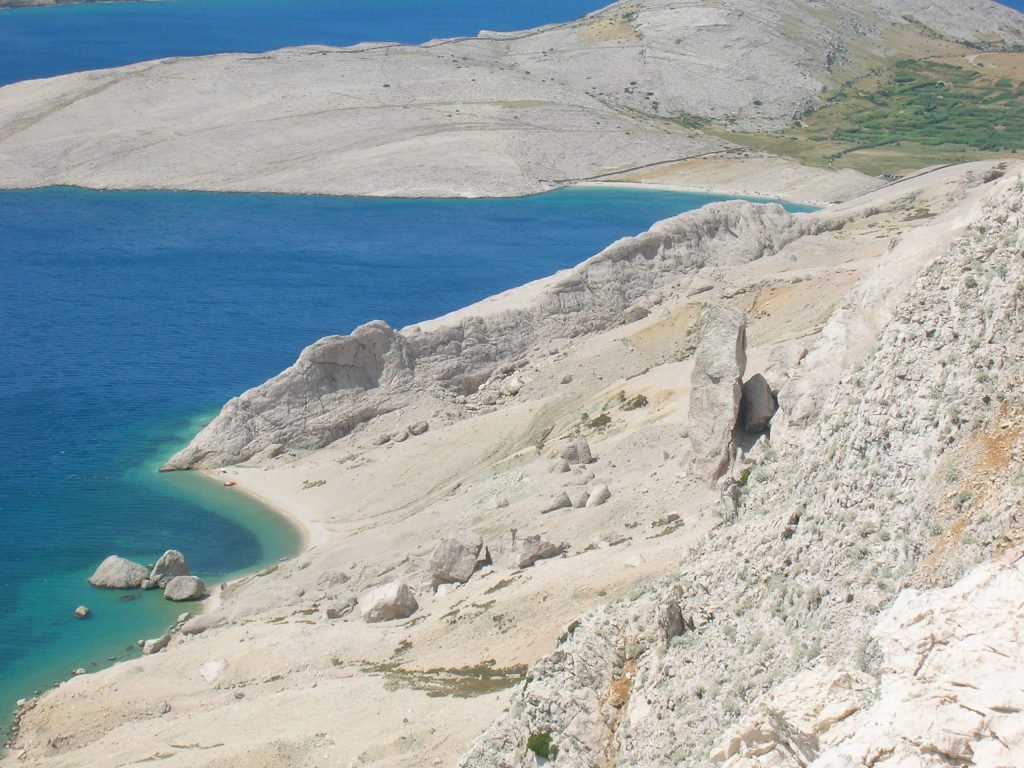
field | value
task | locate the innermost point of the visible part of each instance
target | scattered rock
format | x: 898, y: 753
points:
x: 148, y: 584
x: 199, y: 624
x: 443, y: 590
x: 561, y: 466
x: 454, y: 559
x: 213, y: 669
x: 340, y: 609
x: 382, y: 439
x: 633, y: 314
x: 579, y: 499
x: 513, y: 552
x: 400, y: 436
x: 82, y: 612
x: 598, y: 495
x: 562, y: 501
x: 388, y: 602
x: 757, y: 404
x: 496, y: 502
x: 79, y: 671
x: 171, y: 564
x: 155, y: 645
x: 583, y: 454
x: 567, y: 379
x: 332, y: 578
x: 182, y: 588
x: 419, y: 428
x: 117, y: 573
x: 512, y: 386
x: 716, y: 389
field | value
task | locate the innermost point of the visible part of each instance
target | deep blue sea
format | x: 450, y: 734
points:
x: 126, y: 317
x: 42, y: 42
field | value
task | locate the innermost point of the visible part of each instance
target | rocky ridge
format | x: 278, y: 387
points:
x: 624, y: 90
x: 341, y: 382
x: 904, y: 477
x: 450, y: 484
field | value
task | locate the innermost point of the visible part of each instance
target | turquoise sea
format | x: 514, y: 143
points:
x: 127, y: 317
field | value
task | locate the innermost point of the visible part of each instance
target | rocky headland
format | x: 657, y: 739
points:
x: 644, y: 90
x: 525, y: 539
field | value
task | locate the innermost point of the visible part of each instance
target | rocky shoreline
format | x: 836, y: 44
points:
x: 543, y: 456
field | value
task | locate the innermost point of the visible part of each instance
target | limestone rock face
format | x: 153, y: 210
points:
x: 454, y: 558
x: 757, y: 404
x: 171, y: 564
x: 337, y: 374
x: 716, y: 389
x: 117, y: 573
x: 388, y: 602
x: 341, y: 382
x: 182, y: 588
x: 842, y: 549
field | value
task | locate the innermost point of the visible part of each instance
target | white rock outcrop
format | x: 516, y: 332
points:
x: 455, y: 557
x: 715, y: 389
x: 170, y: 565
x: 388, y: 602
x: 341, y: 382
x: 117, y: 573
x: 182, y: 588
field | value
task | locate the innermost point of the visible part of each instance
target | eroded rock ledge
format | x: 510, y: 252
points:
x: 341, y: 382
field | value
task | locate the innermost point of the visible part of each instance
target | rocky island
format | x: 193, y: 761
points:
x: 743, y: 490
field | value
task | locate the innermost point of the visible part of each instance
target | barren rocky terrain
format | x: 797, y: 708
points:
x: 628, y: 90
x: 530, y: 481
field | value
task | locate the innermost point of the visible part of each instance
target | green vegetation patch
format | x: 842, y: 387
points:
x: 914, y: 114
x: 464, y: 682
x: 928, y: 103
x: 540, y: 744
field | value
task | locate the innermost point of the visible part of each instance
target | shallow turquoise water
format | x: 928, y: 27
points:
x: 125, y: 314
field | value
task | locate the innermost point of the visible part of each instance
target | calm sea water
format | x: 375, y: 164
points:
x: 42, y: 42
x: 123, y: 315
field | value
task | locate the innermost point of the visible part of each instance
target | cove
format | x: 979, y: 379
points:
x: 125, y: 314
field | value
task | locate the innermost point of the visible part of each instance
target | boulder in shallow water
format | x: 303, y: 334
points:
x: 81, y: 612
x: 182, y: 588
x: 117, y: 573
x: 171, y: 564
x: 388, y: 602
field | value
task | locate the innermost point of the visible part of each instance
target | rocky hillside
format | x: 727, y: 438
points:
x: 769, y: 637
x: 627, y: 89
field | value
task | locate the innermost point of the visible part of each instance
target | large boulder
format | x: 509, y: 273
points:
x: 170, y: 565
x: 117, y: 573
x: 716, y: 389
x: 757, y: 404
x: 388, y: 602
x: 454, y: 558
x: 182, y: 588
x: 515, y: 552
